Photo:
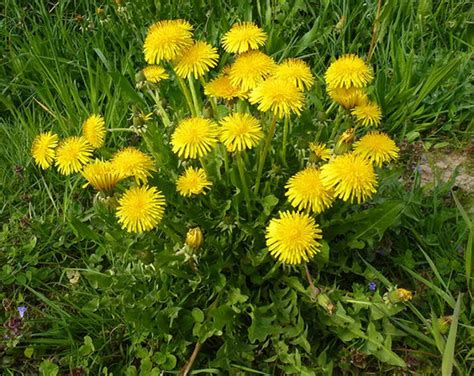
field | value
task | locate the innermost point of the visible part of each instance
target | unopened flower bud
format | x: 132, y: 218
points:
x: 194, y: 238
x: 444, y: 323
x: 345, y: 141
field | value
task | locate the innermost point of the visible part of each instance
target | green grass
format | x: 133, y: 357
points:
x: 136, y: 306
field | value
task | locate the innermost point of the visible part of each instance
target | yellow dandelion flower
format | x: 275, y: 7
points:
x: 250, y: 69
x: 43, y: 149
x: 348, y: 71
x: 155, y: 73
x: 278, y: 96
x: 351, y: 176
x: 240, y: 131
x: 293, y: 238
x: 193, y: 181
x: 377, y: 147
x: 194, y: 137
x: 305, y: 190
x: 140, y: 209
x: 297, y: 72
x: 73, y: 153
x: 196, y: 60
x: 94, y: 131
x: 348, y: 98
x: 404, y: 295
x: 101, y: 175
x: 165, y: 39
x: 243, y: 36
x: 221, y: 87
x: 367, y: 114
x: 133, y: 162
x: 321, y: 151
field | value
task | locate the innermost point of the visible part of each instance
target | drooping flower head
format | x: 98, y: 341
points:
x: 367, y: 113
x: 377, y: 147
x: 250, y: 69
x: 165, y: 39
x: 278, y: 96
x: 348, y: 71
x: 320, y: 151
x: 196, y: 60
x: 348, y: 98
x: 101, y: 175
x: 351, y: 176
x: 242, y: 37
x: 140, y: 209
x: 94, y: 131
x: 221, y: 87
x: 193, y: 181
x: 293, y: 238
x: 305, y: 190
x: 43, y: 149
x: 240, y: 131
x: 155, y: 73
x: 297, y: 72
x: 72, y: 154
x: 194, y: 137
x: 130, y: 162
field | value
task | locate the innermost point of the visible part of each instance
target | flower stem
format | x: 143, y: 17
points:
x: 120, y: 130
x: 263, y: 154
x: 212, y: 101
x: 161, y: 110
x: 314, y: 290
x: 245, y: 187
x: 194, y: 96
x: 187, y: 95
x: 285, y: 139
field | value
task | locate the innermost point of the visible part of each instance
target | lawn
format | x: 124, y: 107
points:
x: 234, y: 270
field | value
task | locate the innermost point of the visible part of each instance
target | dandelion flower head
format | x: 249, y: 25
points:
x: 43, y: 149
x: 196, y: 60
x: 72, y: 154
x: 377, y: 147
x: 165, y: 40
x: 278, y: 96
x: 101, y: 175
x: 155, y: 73
x: 242, y: 37
x: 348, y: 98
x: 192, y: 182
x: 194, y: 137
x: 94, y: 131
x: 367, y: 114
x: 305, y: 190
x: 140, y: 209
x: 321, y: 151
x: 293, y: 238
x: 250, y: 69
x: 240, y: 131
x: 297, y: 72
x: 348, y: 71
x: 351, y: 176
x: 131, y: 162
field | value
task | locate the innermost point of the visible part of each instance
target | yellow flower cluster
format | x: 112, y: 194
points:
x: 257, y: 83
x: 346, y: 79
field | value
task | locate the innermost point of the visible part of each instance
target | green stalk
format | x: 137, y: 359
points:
x: 187, y: 95
x: 212, y: 100
x: 263, y: 154
x: 285, y: 139
x: 161, y: 110
x: 226, y: 162
x: 194, y: 96
x: 245, y: 187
